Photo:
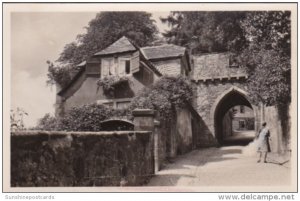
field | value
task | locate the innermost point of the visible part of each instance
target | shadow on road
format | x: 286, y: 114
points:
x: 182, y: 165
x: 201, y: 157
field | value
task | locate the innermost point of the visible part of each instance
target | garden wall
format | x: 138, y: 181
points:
x: 81, y: 158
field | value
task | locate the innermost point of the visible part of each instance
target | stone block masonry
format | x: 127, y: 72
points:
x: 39, y: 158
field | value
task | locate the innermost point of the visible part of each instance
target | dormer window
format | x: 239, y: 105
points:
x: 120, y: 66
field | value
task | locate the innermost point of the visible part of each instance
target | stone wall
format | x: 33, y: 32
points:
x: 214, y: 65
x: 278, y: 121
x: 227, y: 125
x: 184, y: 131
x: 81, y: 158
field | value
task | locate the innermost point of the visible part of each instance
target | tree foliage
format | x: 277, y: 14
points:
x: 262, y: 41
x: 267, y: 55
x: 58, y: 74
x: 17, y: 119
x: 47, y: 122
x: 104, y: 29
x: 205, y: 31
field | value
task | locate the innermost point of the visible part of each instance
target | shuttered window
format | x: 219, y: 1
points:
x: 93, y: 68
x: 120, y: 66
x: 135, y: 62
x: 124, y: 66
x: 105, y: 67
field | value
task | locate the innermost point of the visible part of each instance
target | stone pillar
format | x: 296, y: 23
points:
x: 156, y: 146
x: 144, y: 121
x: 173, y: 138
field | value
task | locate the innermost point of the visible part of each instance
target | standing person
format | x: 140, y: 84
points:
x: 263, y: 146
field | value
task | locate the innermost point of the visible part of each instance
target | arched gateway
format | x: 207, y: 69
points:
x: 220, y: 86
x: 227, y: 100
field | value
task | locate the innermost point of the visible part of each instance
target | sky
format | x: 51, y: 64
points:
x: 35, y: 38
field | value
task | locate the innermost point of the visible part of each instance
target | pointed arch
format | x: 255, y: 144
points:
x: 229, y: 98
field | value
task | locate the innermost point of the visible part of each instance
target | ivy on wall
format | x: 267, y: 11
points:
x: 167, y: 94
x: 110, y: 83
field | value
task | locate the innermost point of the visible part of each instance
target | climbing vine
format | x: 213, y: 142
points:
x: 165, y: 96
x: 110, y: 83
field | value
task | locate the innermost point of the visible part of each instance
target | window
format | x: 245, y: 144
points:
x: 242, y: 124
x: 109, y: 104
x: 107, y: 67
x: 92, y: 68
x: 123, y: 104
x: 127, y: 66
x: 116, y: 103
x: 119, y: 66
x: 242, y: 109
x: 233, y: 63
x: 124, y: 66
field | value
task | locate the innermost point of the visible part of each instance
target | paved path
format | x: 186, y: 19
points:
x: 222, y: 166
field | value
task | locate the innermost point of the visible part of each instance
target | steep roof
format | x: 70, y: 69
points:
x: 163, y: 51
x: 82, y: 64
x: 121, y: 45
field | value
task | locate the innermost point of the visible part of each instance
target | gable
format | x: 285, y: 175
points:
x: 121, y: 45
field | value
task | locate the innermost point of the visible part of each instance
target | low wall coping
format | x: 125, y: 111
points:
x: 102, y: 133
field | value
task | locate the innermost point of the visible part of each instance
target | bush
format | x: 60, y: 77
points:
x: 47, y: 122
x: 84, y: 118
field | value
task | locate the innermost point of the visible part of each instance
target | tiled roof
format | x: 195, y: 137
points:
x: 163, y: 51
x: 121, y: 45
x: 168, y: 67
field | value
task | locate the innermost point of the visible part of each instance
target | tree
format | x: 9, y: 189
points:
x: 205, y: 31
x: 267, y: 56
x: 17, y: 119
x: 104, y: 29
x: 47, y: 122
x: 261, y: 40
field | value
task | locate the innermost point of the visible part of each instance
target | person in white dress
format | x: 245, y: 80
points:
x: 263, y: 145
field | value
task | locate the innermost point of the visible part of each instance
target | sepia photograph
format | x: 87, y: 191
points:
x: 150, y: 97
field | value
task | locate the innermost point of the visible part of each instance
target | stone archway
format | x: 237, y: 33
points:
x: 228, y: 99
